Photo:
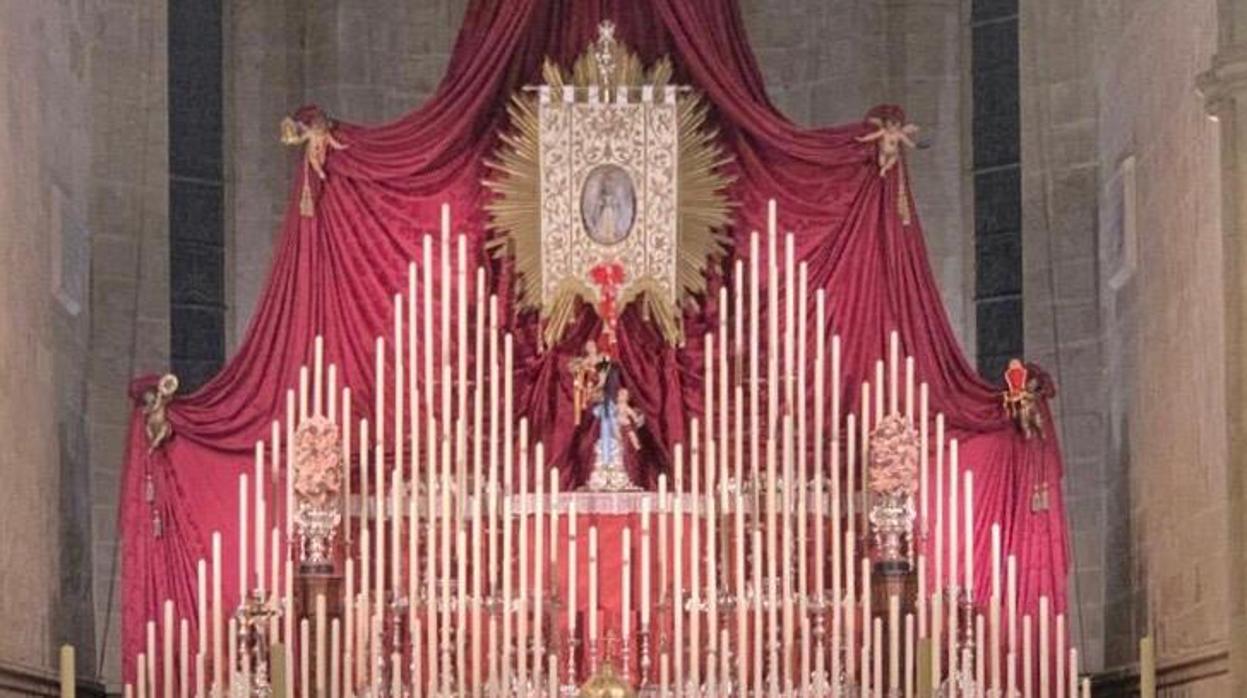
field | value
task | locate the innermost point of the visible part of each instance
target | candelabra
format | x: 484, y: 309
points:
x: 254, y: 616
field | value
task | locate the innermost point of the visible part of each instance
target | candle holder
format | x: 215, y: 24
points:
x: 592, y: 649
x: 250, y: 676
x: 645, y: 662
x: 569, y: 687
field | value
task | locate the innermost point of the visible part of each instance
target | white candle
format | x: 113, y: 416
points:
x: 571, y: 567
x: 1059, y: 676
x: 894, y: 644
x: 909, y: 655
x: 201, y: 605
x: 893, y: 372
x: 322, y: 627
x: 645, y: 564
x: 335, y: 658
x: 593, y: 584
x: 1011, y: 597
x: 1027, y: 671
x: 218, y: 637
x: 1044, y: 649
x: 969, y: 529
x: 539, y: 561
x: 166, y: 656
x: 626, y: 588
x: 242, y: 536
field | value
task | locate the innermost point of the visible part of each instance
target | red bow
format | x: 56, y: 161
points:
x: 608, y: 276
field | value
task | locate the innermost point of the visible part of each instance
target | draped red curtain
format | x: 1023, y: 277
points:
x: 334, y: 274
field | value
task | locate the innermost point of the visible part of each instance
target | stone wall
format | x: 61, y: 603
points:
x: 1163, y: 322
x: 1062, y: 325
x: 1124, y: 302
x: 828, y: 62
x: 83, y: 307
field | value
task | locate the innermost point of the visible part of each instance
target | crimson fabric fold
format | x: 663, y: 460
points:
x: 334, y: 274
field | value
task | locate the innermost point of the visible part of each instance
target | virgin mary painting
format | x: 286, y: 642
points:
x: 608, y: 204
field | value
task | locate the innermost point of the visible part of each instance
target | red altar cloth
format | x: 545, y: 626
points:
x: 333, y: 274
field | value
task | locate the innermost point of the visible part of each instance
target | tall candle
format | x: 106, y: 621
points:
x: 893, y: 371
x: 1045, y: 667
x: 261, y: 525
x: 571, y: 567
x: 218, y: 636
x: 242, y: 536
x: 754, y: 354
x: 201, y: 605
x: 1147, y: 666
x: 1027, y: 658
x: 166, y: 655
x: 1011, y: 597
x: 626, y: 586
x: 322, y: 627
x: 593, y: 584
x: 1059, y: 675
x: 969, y: 532
x: 335, y: 658
x: 645, y: 564
x: 894, y: 644
x: 539, y: 561
x: 909, y: 656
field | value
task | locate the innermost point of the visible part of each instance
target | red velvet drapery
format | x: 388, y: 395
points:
x: 334, y: 274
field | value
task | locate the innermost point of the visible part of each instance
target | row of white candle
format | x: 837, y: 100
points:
x: 728, y: 450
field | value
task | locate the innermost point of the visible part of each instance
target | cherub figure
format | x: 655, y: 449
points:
x: 891, y: 135
x: 155, y: 411
x: 316, y: 135
x: 630, y: 419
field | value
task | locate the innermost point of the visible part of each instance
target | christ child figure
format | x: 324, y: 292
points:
x: 629, y: 418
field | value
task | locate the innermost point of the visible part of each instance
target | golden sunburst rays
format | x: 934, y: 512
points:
x: 702, y: 209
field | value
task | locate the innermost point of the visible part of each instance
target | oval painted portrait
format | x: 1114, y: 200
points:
x: 608, y: 204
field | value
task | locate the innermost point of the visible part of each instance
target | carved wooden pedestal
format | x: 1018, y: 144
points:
x: 893, y: 579
x: 312, y: 583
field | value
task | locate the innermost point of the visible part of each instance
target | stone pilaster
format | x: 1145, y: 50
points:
x: 1224, y: 86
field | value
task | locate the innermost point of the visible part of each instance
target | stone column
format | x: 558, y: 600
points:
x: 1224, y: 86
